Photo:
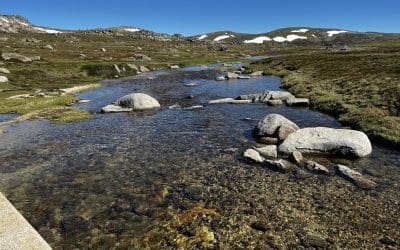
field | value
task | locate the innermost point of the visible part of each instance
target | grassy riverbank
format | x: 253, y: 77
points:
x: 79, y: 59
x: 361, y: 87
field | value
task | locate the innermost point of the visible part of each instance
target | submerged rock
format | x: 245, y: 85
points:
x: 316, y: 167
x: 115, y: 109
x: 298, y: 158
x: 275, y: 125
x: 315, y: 241
x: 344, y: 142
x: 270, y: 151
x: 138, y: 101
x: 192, y: 84
x: 361, y: 181
x: 195, y: 107
x: 229, y: 100
x: 282, y: 165
x: 253, y: 155
x: 220, y: 78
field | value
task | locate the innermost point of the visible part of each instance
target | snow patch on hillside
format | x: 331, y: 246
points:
x: 335, y: 32
x: 4, y: 20
x: 219, y: 38
x: 289, y: 38
x: 300, y: 31
x: 47, y: 30
x: 202, y: 37
x: 132, y: 29
x: 258, y: 40
x: 22, y: 23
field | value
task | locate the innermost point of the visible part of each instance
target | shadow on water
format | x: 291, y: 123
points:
x: 120, y: 180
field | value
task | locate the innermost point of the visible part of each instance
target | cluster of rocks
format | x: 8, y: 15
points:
x: 132, y: 102
x: 275, y: 98
x: 284, y: 138
x: 272, y: 98
x: 231, y: 76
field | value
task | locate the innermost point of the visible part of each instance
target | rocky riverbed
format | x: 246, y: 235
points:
x: 176, y: 177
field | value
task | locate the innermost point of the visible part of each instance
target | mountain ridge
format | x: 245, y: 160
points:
x: 300, y: 35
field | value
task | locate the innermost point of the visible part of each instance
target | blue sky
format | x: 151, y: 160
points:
x: 201, y: 16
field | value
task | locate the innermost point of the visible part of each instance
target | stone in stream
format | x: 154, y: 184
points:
x: 138, y: 101
x: 4, y: 71
x: 314, y: 241
x: 267, y: 140
x: 297, y: 158
x: 274, y: 125
x: 3, y: 79
x: 298, y: 102
x: 144, y: 69
x: 281, y: 95
x: 361, y: 181
x: 253, y: 155
x: 220, y: 78
x: 115, y: 109
x: 244, y: 77
x: 231, y: 75
x: 174, y: 67
x: 267, y: 96
x: 269, y: 151
x: 195, y: 107
x: 316, y: 167
x: 274, y: 102
x: 192, y: 84
x: 257, y: 73
x: 252, y: 97
x: 15, y: 57
x: 282, y: 165
x: 229, y: 100
x: 321, y: 140
x: 83, y: 101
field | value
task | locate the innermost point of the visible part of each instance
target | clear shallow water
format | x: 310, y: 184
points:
x: 163, y: 178
x: 5, y: 117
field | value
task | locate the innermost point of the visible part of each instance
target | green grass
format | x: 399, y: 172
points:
x: 54, y: 108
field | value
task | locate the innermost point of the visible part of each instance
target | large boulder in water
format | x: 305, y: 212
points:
x: 275, y: 125
x: 138, y: 101
x: 321, y: 140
